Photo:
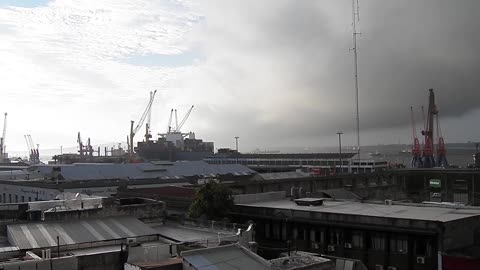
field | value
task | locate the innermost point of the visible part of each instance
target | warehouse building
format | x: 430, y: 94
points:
x: 45, y: 182
x: 386, y: 235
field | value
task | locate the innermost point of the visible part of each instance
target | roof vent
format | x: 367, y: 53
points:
x: 309, y: 201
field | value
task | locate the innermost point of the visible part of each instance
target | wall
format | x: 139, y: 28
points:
x: 148, y: 210
x: 64, y: 263
x: 151, y: 252
x: 102, y: 261
x: 35, y: 193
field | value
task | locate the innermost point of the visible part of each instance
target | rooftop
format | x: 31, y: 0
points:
x: 159, y: 264
x: 44, y: 234
x: 371, y: 209
x: 128, y: 171
x: 302, y: 261
x: 226, y: 257
x: 180, y: 233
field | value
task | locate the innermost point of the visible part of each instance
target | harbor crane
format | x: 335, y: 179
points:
x: 178, y: 126
x: 34, y: 155
x: 174, y: 134
x: 134, y: 131
x: 3, y: 152
x: 416, y: 149
x: 428, y: 158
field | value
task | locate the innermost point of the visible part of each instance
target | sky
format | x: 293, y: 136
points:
x: 273, y: 72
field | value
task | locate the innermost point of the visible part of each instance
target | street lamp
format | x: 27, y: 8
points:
x: 236, y: 148
x: 236, y: 143
x: 340, y: 150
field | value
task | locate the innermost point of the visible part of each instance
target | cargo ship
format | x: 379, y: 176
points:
x: 174, y: 146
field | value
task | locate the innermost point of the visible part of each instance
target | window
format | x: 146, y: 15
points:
x: 10, y: 198
x: 422, y: 248
x: 276, y: 231
x: 377, y: 241
x: 318, y: 236
x: 16, y: 198
x: 267, y: 230
x: 29, y: 199
x: 399, y: 245
x: 4, y: 198
x: 23, y: 198
x: 335, y: 237
x: 300, y: 233
x: 357, y: 240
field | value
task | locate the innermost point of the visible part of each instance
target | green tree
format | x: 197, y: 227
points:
x: 213, y: 201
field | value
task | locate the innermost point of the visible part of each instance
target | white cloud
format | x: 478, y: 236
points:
x: 63, y: 66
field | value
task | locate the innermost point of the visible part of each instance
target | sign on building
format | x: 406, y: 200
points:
x: 436, y: 183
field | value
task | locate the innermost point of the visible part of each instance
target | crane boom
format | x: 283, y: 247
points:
x: 170, y: 122
x: 176, y: 121
x: 149, y: 119
x: 184, y: 119
x: 145, y: 113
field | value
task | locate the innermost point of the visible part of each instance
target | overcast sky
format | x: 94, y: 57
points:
x: 273, y: 72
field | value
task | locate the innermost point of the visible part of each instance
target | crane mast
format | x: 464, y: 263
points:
x: 428, y: 159
x: 148, y: 134
x: 416, y: 149
x: 3, y: 152
x: 134, y: 131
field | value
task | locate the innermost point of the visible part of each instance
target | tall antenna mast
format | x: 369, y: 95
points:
x: 355, y: 18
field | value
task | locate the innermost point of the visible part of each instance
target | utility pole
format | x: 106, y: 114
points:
x: 340, y: 150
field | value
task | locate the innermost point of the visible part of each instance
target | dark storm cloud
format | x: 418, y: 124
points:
x: 290, y: 60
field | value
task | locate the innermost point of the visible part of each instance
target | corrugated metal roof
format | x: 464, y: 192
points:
x: 42, y: 235
x: 175, y: 170
x: 229, y: 257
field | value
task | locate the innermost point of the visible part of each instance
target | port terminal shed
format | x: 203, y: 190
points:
x: 319, y: 163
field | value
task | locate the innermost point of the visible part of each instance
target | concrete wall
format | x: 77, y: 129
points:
x: 151, y: 252
x: 259, y: 197
x: 64, y: 263
x: 148, y: 210
x: 102, y: 261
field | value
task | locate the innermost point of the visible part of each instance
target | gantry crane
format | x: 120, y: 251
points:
x: 134, y: 131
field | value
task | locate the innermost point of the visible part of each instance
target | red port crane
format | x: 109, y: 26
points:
x: 416, y: 149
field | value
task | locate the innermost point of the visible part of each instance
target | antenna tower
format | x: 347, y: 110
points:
x: 355, y: 19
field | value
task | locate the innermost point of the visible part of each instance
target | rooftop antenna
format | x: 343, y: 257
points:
x: 355, y: 18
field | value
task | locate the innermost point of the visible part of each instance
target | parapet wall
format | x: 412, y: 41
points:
x: 259, y: 197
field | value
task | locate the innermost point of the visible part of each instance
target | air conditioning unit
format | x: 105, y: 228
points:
x: 388, y: 202
x: 331, y: 248
x: 378, y: 267
x: 131, y: 241
x: 421, y: 260
x: 348, y: 245
x: 392, y: 268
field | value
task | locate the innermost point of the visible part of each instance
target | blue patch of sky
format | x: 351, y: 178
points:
x: 186, y: 58
x: 23, y: 3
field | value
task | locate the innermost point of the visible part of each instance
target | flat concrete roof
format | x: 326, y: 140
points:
x: 395, y: 211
